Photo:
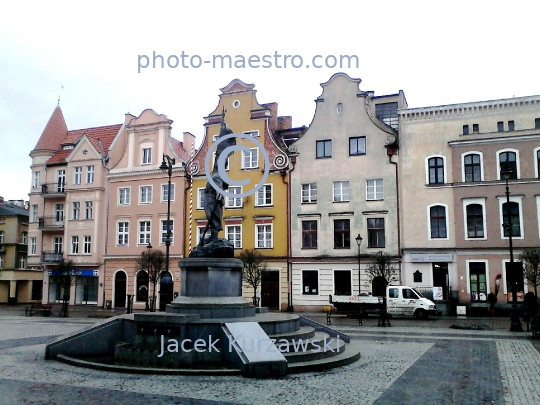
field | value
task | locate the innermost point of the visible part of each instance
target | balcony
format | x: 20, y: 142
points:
x: 54, y: 223
x: 51, y: 257
x: 51, y: 190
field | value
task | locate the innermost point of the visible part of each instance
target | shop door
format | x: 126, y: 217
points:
x: 166, y: 287
x: 440, y: 278
x: 270, y: 289
x: 120, y: 290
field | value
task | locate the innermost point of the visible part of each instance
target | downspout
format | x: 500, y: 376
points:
x: 105, y: 160
x: 390, y: 153
x: 290, y: 306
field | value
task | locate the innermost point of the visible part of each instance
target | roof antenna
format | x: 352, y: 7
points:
x: 61, y: 87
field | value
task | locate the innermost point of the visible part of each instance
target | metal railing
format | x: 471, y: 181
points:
x: 53, y: 188
x: 54, y: 222
x: 51, y: 257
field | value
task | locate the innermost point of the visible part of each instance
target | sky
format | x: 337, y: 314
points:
x: 88, y: 53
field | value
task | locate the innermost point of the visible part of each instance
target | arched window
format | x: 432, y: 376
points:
x: 437, y: 217
x: 436, y: 170
x: 475, y: 221
x: 508, y: 159
x: 141, y: 293
x: 538, y: 163
x: 511, y: 214
x: 473, y: 168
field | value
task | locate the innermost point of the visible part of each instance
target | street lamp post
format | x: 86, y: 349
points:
x: 168, y: 164
x: 358, y: 242
x: 515, y: 324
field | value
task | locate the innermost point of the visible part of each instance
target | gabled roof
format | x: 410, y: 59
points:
x: 106, y: 134
x: 54, y: 133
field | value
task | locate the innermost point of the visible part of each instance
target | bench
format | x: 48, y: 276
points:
x: 329, y: 309
x: 43, y: 309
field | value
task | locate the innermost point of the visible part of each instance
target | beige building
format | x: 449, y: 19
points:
x: 453, y: 199
x: 343, y: 186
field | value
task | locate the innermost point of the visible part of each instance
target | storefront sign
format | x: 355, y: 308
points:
x: 431, y: 258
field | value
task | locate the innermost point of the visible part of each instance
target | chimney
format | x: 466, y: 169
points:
x: 284, y: 122
x: 189, y: 142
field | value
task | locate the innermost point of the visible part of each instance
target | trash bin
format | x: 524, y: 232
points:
x: 108, y: 304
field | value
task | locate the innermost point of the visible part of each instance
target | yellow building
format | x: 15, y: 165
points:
x: 260, y: 220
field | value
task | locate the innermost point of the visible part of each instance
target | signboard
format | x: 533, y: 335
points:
x: 82, y: 273
x: 437, y: 294
x: 431, y: 258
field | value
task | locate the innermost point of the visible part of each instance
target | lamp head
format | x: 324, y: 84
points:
x: 506, y: 171
x: 358, y: 240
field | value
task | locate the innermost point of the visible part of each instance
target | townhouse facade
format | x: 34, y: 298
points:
x: 454, y: 199
x: 257, y: 221
x: 344, y: 191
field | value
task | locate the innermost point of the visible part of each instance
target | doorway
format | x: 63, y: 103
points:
x: 120, y: 290
x: 166, y: 287
x: 270, y: 289
x: 440, y: 278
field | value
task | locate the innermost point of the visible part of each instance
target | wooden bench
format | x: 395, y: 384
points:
x: 330, y: 309
x: 43, y: 309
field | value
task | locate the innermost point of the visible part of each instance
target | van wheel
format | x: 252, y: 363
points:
x: 421, y: 314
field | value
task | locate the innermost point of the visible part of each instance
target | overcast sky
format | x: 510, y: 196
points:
x: 436, y: 52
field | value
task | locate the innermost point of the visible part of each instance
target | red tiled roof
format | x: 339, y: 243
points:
x: 106, y: 134
x: 182, y: 153
x: 54, y: 133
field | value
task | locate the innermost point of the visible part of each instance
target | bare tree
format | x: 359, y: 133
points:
x: 153, y: 262
x: 531, y: 267
x: 254, y: 265
x: 382, y: 266
x: 66, y: 278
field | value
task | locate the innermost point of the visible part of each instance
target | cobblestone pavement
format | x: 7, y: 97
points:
x: 408, y: 363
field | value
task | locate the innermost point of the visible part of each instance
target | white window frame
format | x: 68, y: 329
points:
x: 239, y: 234
x: 1, y: 261
x: 253, y: 133
x: 199, y: 230
x: 76, y: 210
x: 166, y: 186
x: 253, y: 158
x: 22, y: 262
x: 469, y: 201
x: 516, y: 199
x: 74, y: 245
x: 535, y: 162
x: 88, y: 210
x: 122, y: 234
x: 237, y: 202
x: 503, y: 280
x: 374, y: 187
x: 429, y: 221
x: 60, y: 185
x: 2, y: 237
x: 518, y: 167
x: 445, y: 171
x: 311, y: 198
x: 472, y: 152
x: 538, y: 213
x: 228, y: 160
x: 488, y: 279
x: 127, y: 195
x: 163, y: 232
x: 59, y: 213
x: 146, y: 155
x: 271, y: 236
x: 77, y: 175
x: 58, y: 244
x: 341, y: 194
x: 200, y: 193
x: 35, y: 212
x: 263, y: 189
x: 90, y: 174
x: 24, y: 237
x: 146, y: 232
x: 33, y: 245
x: 35, y: 179
x: 87, y: 245
x: 149, y: 192
x: 302, y: 283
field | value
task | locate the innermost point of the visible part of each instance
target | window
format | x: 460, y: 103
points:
x: 387, y: 113
x: 234, y: 202
x: 60, y: 181
x: 77, y: 176
x: 511, y: 125
x: 374, y: 189
x: 465, y: 130
x: 123, y: 233
x: 537, y: 123
x: 357, y: 146
x: 253, y: 134
x: 124, y: 196
x: 342, y: 282
x: 146, y: 195
x: 475, y: 128
x: 342, y: 234
x: 141, y: 294
x: 341, y: 191
x: 35, y: 180
x: 511, y: 215
x: 33, y: 245
x: 500, y: 126
x: 437, y: 219
x: 22, y: 262
x: 436, y: 170
x: 339, y: 108
x: 74, y: 245
x: 34, y: 212
x: 87, y: 249
x: 200, y: 198
x: 264, y: 195
x: 1, y: 261
x: 144, y: 232
x: 76, y: 210
x: 508, y: 160
x: 250, y: 160
x: 90, y: 174
x: 375, y: 228
x: 146, y: 156
x: 538, y: 163
x: 514, y: 274
x: 324, y: 149
x: 234, y: 234
x: 263, y: 236
x: 88, y: 210
x: 309, y: 193
x: 58, y: 213
x: 200, y: 230
x: 309, y: 234
x: 57, y: 244
x: 24, y: 238
x: 164, y: 231
x: 472, y: 167
x: 310, y: 282
x: 477, y: 280
x: 475, y: 221
x: 165, y: 192
x: 2, y: 237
